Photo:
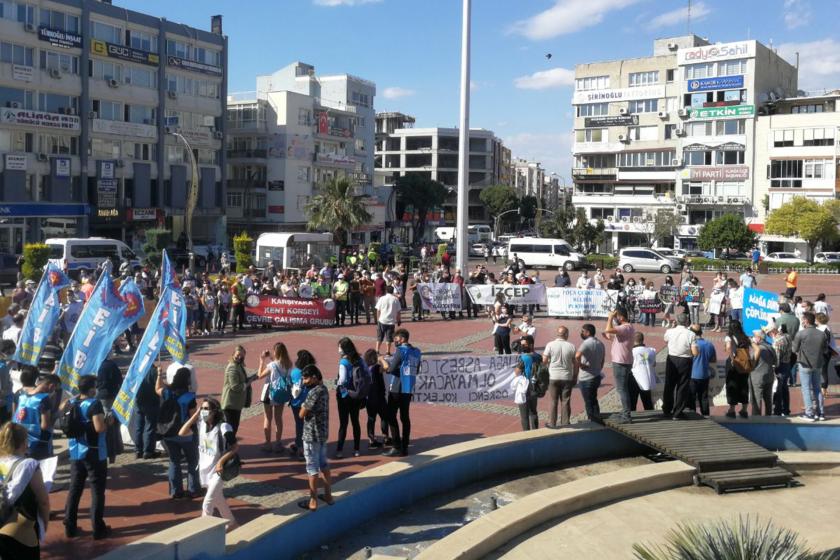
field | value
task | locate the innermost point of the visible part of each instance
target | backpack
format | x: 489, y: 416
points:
x: 541, y: 384
x: 741, y: 361
x: 361, y: 381
x: 71, y: 422
x: 7, y: 507
x: 280, y: 391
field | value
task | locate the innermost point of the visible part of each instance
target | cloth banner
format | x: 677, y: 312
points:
x: 649, y: 305
x: 669, y: 294
x: 465, y: 379
x: 524, y: 294
x: 43, y: 315
x: 716, y: 302
x: 440, y: 296
x: 164, y: 330
x: 167, y: 274
x: 106, y: 315
x: 291, y: 312
x: 760, y: 309
x: 573, y: 302
x: 692, y: 294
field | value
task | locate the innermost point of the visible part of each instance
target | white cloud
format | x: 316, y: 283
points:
x: 396, y: 92
x: 567, y: 16
x: 553, y: 151
x: 546, y: 79
x: 796, y: 13
x: 333, y: 3
x: 474, y: 85
x: 699, y: 11
x: 819, y: 63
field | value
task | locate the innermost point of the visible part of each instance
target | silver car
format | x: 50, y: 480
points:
x: 643, y: 259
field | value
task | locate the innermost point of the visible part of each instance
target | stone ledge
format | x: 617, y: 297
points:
x: 815, y: 463
x: 202, y: 537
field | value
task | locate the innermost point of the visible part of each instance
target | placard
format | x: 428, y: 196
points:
x: 289, y: 312
x: 574, y: 302
x: 760, y: 309
x: 465, y: 379
x: 22, y: 73
x: 514, y: 294
x: 440, y: 296
x: 15, y: 162
x: 39, y: 118
x: 62, y: 166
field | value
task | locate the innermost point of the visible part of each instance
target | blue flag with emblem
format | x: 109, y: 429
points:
x: 106, y: 315
x: 175, y: 323
x: 42, y: 317
x: 167, y: 272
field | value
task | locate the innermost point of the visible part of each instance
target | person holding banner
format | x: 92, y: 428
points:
x: 501, y: 326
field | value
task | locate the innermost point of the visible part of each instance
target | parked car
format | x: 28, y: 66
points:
x: 827, y: 258
x: 8, y: 271
x: 786, y: 258
x: 477, y: 249
x: 671, y: 253
x: 644, y: 259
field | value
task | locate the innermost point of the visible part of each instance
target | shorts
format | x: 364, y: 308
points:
x: 385, y: 332
x: 316, y: 457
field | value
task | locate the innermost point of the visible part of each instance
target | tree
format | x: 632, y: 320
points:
x: 423, y: 195
x: 336, y: 209
x: 499, y: 199
x: 660, y: 224
x: 559, y: 224
x: 242, y: 245
x: 805, y: 218
x: 585, y: 235
x: 528, y: 208
x: 35, y: 257
x: 727, y: 232
x: 156, y: 241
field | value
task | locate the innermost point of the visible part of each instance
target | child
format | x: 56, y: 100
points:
x: 644, y: 373
x: 522, y: 385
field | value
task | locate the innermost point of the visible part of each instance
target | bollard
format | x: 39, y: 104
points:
x: 494, y: 503
x: 368, y: 552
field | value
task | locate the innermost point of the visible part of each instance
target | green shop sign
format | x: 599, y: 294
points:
x: 723, y: 112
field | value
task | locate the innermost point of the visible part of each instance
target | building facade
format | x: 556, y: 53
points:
x: 89, y: 96
x: 528, y: 177
x: 673, y: 133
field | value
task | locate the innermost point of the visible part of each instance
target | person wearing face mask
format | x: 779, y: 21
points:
x: 347, y: 397
x: 235, y: 388
x: 216, y: 445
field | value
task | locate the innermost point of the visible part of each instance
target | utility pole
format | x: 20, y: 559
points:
x: 462, y: 217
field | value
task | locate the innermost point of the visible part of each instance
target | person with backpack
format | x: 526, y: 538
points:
x: 352, y: 388
x: 177, y: 406
x: 108, y: 383
x: 34, y: 410
x: 377, y: 402
x: 24, y: 500
x: 525, y: 396
x: 590, y: 358
x: 146, y: 410
x: 401, y: 376
x: 85, y: 425
x: 739, y: 365
x: 216, y: 446
x: 276, y: 392
x: 7, y: 350
x: 299, y: 391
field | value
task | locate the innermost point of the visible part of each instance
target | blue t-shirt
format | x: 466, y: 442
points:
x: 700, y: 364
x: 297, y: 379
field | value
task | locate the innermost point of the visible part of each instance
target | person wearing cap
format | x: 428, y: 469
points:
x: 762, y: 374
x: 782, y: 344
x: 341, y: 294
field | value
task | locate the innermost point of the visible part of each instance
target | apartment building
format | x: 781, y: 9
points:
x: 528, y: 177
x: 283, y: 143
x: 673, y: 132
x: 89, y: 94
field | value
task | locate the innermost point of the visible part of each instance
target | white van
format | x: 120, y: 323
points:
x: 75, y: 254
x: 539, y: 251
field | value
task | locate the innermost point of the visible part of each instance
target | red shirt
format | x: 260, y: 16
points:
x: 379, y: 287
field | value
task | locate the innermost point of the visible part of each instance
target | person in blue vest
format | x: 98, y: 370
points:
x: 34, y: 410
x: 401, y: 375
x: 527, y: 366
x: 179, y: 447
x: 88, y: 460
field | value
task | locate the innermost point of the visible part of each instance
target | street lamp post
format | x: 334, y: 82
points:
x: 496, y: 220
x: 192, y: 196
x: 461, y: 251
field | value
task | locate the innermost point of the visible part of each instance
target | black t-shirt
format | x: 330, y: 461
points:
x: 108, y: 380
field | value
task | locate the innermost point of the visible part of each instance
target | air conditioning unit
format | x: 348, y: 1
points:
x: 171, y: 94
x: 623, y: 138
x: 663, y: 114
x: 29, y: 28
x: 13, y: 104
x: 708, y: 200
x: 625, y: 219
x: 55, y: 73
x: 673, y: 46
x: 679, y: 131
x: 637, y: 219
x: 683, y: 113
x: 218, y: 135
x: 680, y: 207
x: 93, y: 115
x: 623, y: 111
x: 720, y: 199
x: 119, y: 163
x: 676, y: 162
x: 113, y: 83
x: 42, y: 157
x: 170, y: 130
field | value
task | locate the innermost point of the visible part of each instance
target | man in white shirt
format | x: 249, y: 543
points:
x: 675, y: 396
x: 13, y: 332
x: 559, y: 354
x: 9, y: 318
x: 387, y: 318
x: 584, y: 282
x: 822, y: 306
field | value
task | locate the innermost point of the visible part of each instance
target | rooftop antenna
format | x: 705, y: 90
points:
x: 688, y: 18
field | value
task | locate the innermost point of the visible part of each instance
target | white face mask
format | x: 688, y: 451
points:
x: 204, y: 415
x: 340, y: 352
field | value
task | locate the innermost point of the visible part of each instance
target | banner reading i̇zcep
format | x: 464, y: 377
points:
x: 292, y: 312
x: 760, y: 309
x: 465, y: 379
x: 514, y: 294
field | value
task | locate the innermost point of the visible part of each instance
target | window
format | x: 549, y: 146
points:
x: 234, y: 199
x: 696, y: 189
x: 782, y: 138
x: 786, y: 174
x: 142, y: 41
x: 17, y: 11
x: 176, y: 154
x: 101, y: 148
x: 703, y: 157
x: 102, y: 70
x: 107, y: 110
x: 693, y: 129
x: 602, y: 213
x: 592, y: 135
x: 140, y: 114
x: 191, y: 86
x: 643, y: 106
x: 730, y: 157
x: 670, y: 131
x: 593, y: 82
x: 59, y: 20
x: 643, y: 133
x: 815, y: 169
x: 106, y: 32
x: 11, y: 97
x: 58, y: 144
x: 177, y: 48
x: 595, y: 161
x: 739, y: 95
x: 141, y: 77
x: 702, y: 70
x: 732, y: 67
x: 699, y: 99
x: 207, y: 156
x: 644, y: 78
x: 730, y: 127
x: 669, y: 76
x: 304, y: 117
x: 658, y: 158
x: 54, y: 103
x: 66, y: 63
x: 814, y: 108
x: 304, y: 174
x: 140, y: 151
x: 16, y: 54
x: 593, y: 109
x: 818, y: 137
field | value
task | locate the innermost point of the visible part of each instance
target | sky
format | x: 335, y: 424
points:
x: 411, y: 50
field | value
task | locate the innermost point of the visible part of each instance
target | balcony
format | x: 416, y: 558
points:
x: 258, y: 153
x: 254, y: 213
x: 333, y: 160
x: 246, y: 184
x: 734, y: 200
x: 595, y: 172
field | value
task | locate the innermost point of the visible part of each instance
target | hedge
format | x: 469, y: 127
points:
x: 35, y: 257
x: 242, y: 245
x: 604, y: 261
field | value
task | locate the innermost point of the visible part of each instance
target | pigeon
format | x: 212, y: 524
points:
x: 548, y: 56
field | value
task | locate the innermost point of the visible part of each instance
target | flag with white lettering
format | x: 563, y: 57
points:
x: 42, y: 317
x: 174, y: 317
x: 107, y: 314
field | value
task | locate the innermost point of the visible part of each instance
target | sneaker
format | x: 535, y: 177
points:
x: 392, y: 452
x: 821, y: 418
x: 730, y: 414
x: 375, y: 445
x: 356, y: 454
x: 808, y: 417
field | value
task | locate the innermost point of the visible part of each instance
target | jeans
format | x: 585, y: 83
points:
x: 781, y: 398
x: 694, y: 313
x: 144, y: 430
x: 186, y: 449
x: 589, y: 392
x: 560, y: 391
x: 79, y: 472
x: 222, y: 314
x: 700, y: 395
x: 298, y: 427
x: 811, y: 393
x: 399, y: 402
x: 348, y: 409
x: 528, y: 412
x: 648, y: 319
x: 315, y: 453
x: 622, y: 375
x: 355, y: 306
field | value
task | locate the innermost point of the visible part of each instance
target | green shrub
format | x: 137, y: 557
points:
x: 242, y: 245
x: 156, y: 241
x: 700, y: 263
x: 604, y: 261
x: 35, y: 257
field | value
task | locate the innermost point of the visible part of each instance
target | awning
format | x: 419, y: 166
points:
x: 757, y: 228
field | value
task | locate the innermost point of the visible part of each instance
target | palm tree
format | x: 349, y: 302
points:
x: 336, y: 209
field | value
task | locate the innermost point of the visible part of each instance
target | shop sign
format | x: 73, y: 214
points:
x: 106, y: 169
x: 60, y: 38
x: 611, y: 120
x: 62, y: 166
x: 107, y: 213
x: 107, y: 193
x: 42, y: 210
x: 185, y: 64
x: 278, y: 209
x: 22, y: 73
x: 722, y: 112
x: 731, y: 147
x: 39, y: 118
x: 720, y: 173
x: 197, y: 137
x: 122, y: 52
x: 142, y: 214
x: 15, y: 162
x: 709, y: 53
x: 124, y: 128
x: 623, y: 94
x: 724, y: 82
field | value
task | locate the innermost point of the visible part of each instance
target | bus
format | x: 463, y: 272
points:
x: 479, y: 233
x: 294, y: 250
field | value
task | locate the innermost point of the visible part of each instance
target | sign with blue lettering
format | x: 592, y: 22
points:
x: 724, y: 82
x: 42, y: 210
x: 760, y: 309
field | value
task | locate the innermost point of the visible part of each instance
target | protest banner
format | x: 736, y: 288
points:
x: 572, y: 302
x: 465, y: 379
x: 692, y: 294
x: 43, y: 315
x: 716, y: 302
x: 515, y: 294
x: 760, y: 309
x: 167, y: 277
x: 291, y: 312
x: 669, y: 294
x: 649, y: 305
x: 440, y: 296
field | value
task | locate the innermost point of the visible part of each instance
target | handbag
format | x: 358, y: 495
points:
x: 232, y: 466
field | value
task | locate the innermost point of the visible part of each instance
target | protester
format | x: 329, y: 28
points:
x: 377, y: 401
x: 822, y: 306
x: 88, y: 459
x: 791, y: 281
x: 703, y: 359
x: 348, y: 395
x: 559, y: 354
x: 299, y: 392
x: 590, y: 358
x: 108, y: 382
x: 387, y: 319
x: 762, y: 374
x: 525, y: 396
x: 147, y: 407
x: 501, y: 329
x: 782, y: 344
x: 676, y: 394
x: 7, y: 350
x: 643, y: 380
x: 401, y: 370
x: 314, y: 413
x: 810, y: 346
x: 34, y: 410
x: 235, y: 389
x: 739, y: 364
x: 830, y: 354
x: 21, y: 534
x: 620, y: 332
x: 584, y: 282
x: 13, y: 332
x: 276, y: 392
x: 179, y: 447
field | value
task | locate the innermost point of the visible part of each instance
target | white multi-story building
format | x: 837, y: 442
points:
x: 528, y: 177
x: 672, y: 132
x: 283, y: 144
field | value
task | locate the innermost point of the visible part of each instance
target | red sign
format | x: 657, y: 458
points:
x: 323, y: 123
x: 291, y: 312
x: 276, y: 209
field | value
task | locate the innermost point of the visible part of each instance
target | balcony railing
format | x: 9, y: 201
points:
x: 258, y: 153
x: 246, y: 183
x: 254, y: 213
x: 600, y: 171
